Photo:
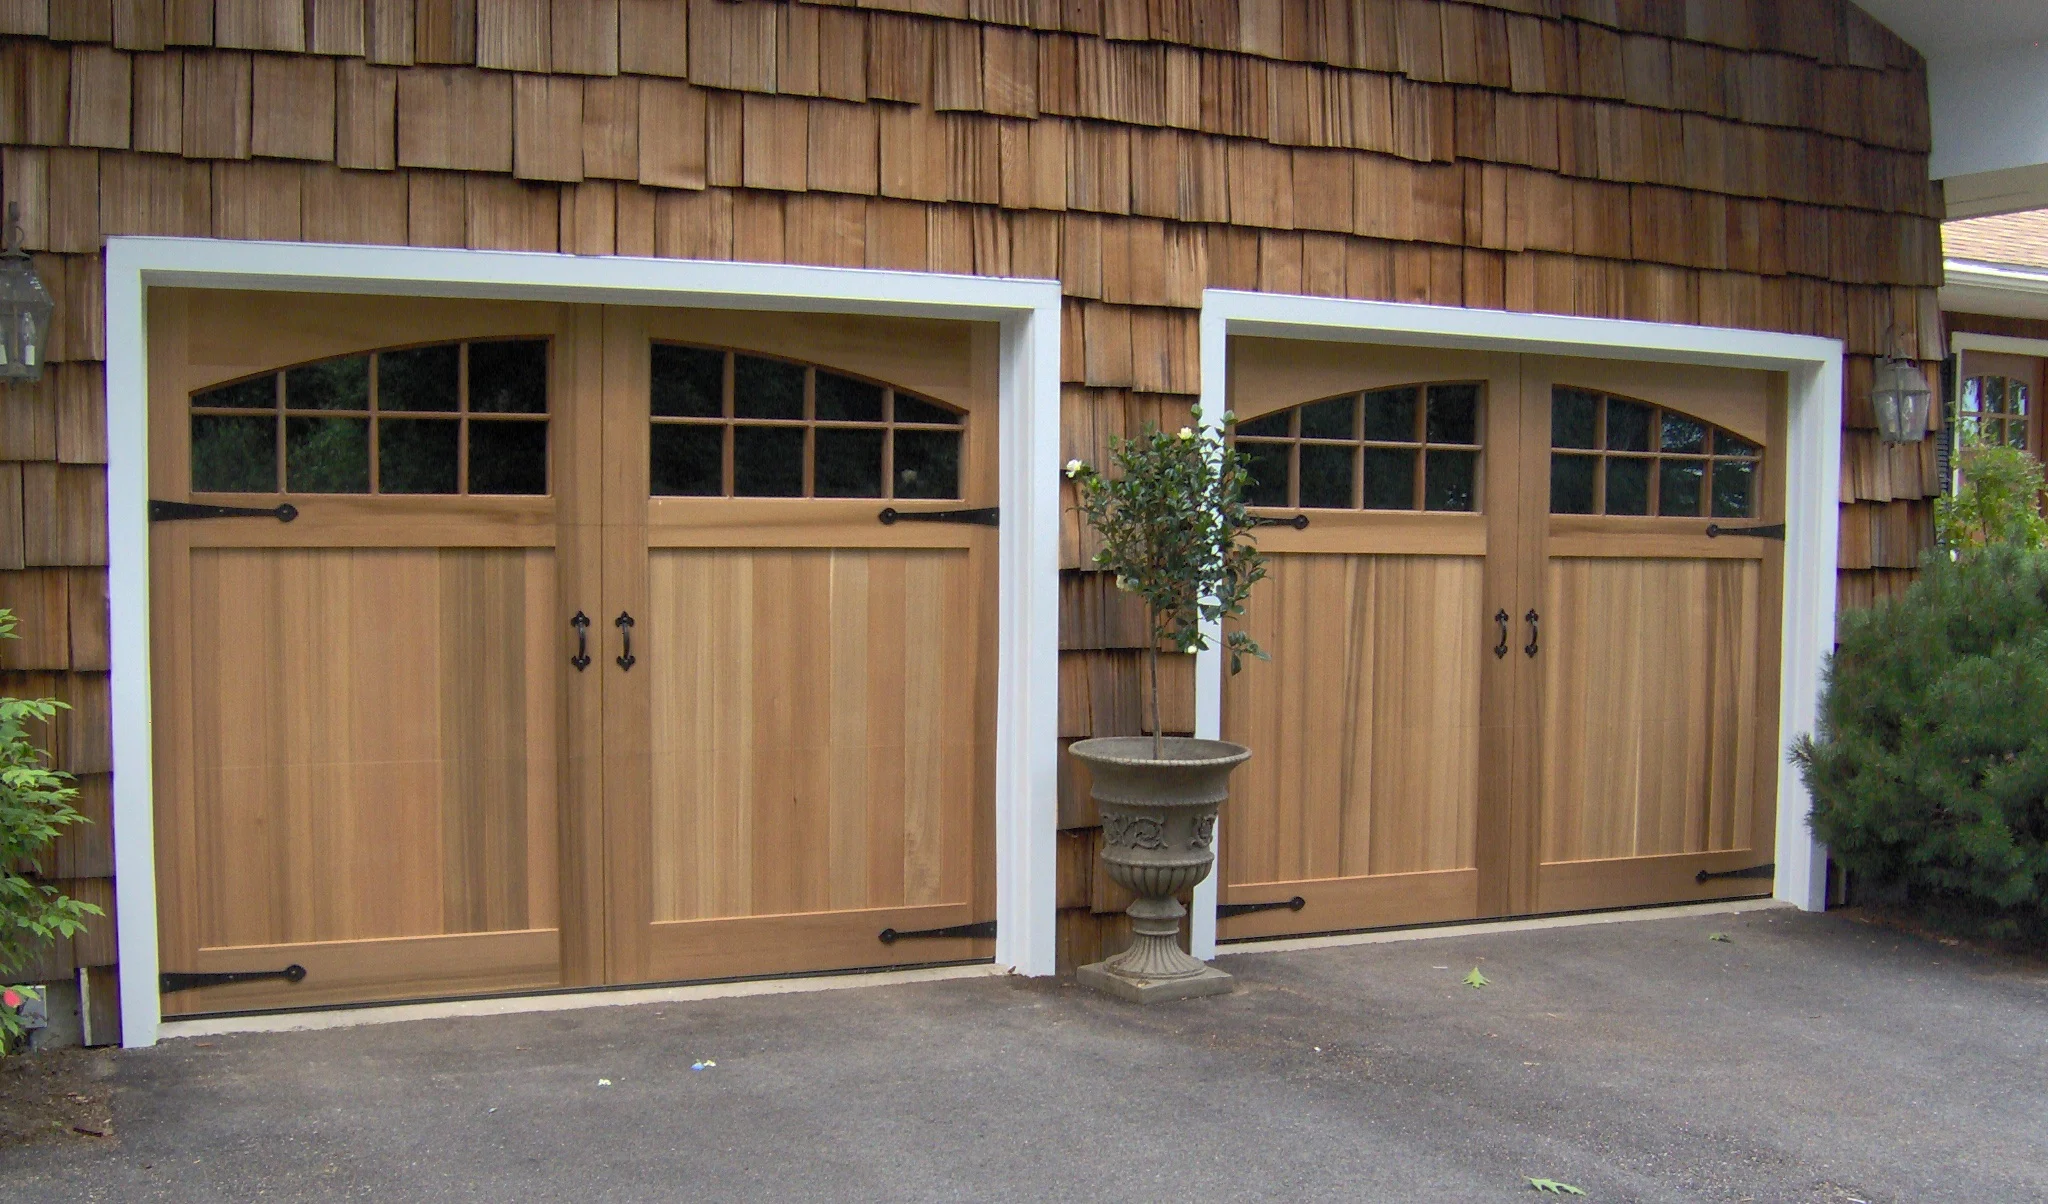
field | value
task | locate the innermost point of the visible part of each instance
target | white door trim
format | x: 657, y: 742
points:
x: 1813, y: 368
x: 1027, y: 690
x: 2000, y: 344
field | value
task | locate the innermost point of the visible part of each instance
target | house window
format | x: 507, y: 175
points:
x: 1615, y: 455
x: 449, y: 418
x: 1994, y: 411
x: 1415, y: 447
x: 729, y: 424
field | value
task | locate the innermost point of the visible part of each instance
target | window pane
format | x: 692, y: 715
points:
x: 1571, y: 484
x: 1266, y: 463
x: 849, y: 461
x: 1628, y: 425
x: 1683, y: 434
x: 2016, y: 398
x: 234, y: 455
x: 259, y: 393
x: 1994, y: 395
x: 327, y: 455
x: 509, y: 378
x: 1325, y: 475
x: 417, y: 456
x: 1726, y: 444
x: 766, y: 389
x: 422, y: 379
x: 927, y: 463
x: 1678, y: 487
x: 1390, y: 415
x: 843, y: 399
x: 1389, y: 479
x: 1573, y: 414
x: 916, y: 409
x: 686, y: 461
x: 1454, y: 417
x: 1272, y: 425
x: 1733, y: 480
x: 1628, y: 482
x: 685, y: 382
x: 767, y: 461
x: 1332, y: 419
x: 1448, y: 480
x: 2016, y: 433
x: 508, y: 457
x: 1973, y: 390
x: 342, y: 384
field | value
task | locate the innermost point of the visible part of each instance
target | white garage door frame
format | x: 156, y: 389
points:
x: 1027, y: 690
x: 1813, y: 371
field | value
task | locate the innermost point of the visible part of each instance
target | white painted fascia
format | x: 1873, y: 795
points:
x: 1027, y: 691
x: 2001, y: 289
x: 1813, y: 368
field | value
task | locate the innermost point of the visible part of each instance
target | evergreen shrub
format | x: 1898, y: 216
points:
x: 1929, y: 769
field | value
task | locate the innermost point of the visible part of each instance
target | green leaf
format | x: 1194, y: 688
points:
x: 1554, y: 1187
x: 1719, y: 936
x: 1476, y: 979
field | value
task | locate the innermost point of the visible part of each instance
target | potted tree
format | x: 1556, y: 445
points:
x: 1173, y: 530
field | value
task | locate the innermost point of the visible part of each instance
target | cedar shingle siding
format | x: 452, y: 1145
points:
x: 1739, y: 163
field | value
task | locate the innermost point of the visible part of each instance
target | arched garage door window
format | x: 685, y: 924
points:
x: 1614, y: 455
x: 447, y: 418
x: 728, y: 424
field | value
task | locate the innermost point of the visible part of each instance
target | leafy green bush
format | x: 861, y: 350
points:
x: 1929, y: 771
x: 1998, y: 501
x: 35, y: 805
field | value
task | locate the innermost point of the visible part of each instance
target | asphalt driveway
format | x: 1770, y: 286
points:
x: 1805, y: 1058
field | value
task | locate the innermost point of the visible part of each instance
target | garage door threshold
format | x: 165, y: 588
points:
x: 1577, y: 919
x: 559, y: 1001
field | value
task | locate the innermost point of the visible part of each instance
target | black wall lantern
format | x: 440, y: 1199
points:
x: 25, y: 307
x: 1899, y: 395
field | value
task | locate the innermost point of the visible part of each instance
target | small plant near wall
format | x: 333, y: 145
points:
x: 1173, y: 524
x: 35, y: 805
x: 1174, y: 531
x: 1997, y: 503
x: 1929, y: 770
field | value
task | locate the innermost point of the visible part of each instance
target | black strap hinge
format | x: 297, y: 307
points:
x: 1226, y: 910
x: 983, y: 931
x: 283, y: 512
x: 172, y: 981
x: 984, y: 516
x: 1768, y: 869
x: 1773, y: 531
x: 1299, y: 522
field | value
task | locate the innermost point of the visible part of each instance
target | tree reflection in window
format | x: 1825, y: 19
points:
x: 1994, y: 411
x: 731, y: 424
x: 1415, y: 447
x: 1616, y: 455
x: 449, y: 418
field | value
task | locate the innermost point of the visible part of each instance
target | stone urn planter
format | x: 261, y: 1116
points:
x: 1158, y: 840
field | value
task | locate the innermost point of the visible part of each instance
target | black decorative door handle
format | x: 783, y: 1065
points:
x: 1531, y: 618
x: 582, y: 625
x: 1501, y: 649
x: 625, y: 625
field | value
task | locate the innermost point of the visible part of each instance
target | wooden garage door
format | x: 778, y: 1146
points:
x: 1657, y: 757
x: 800, y: 755
x: 1477, y: 706
x: 358, y: 713
x: 1368, y: 790
x: 584, y: 656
